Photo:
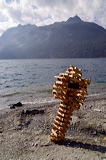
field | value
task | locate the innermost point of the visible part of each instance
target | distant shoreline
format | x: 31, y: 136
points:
x: 52, y: 58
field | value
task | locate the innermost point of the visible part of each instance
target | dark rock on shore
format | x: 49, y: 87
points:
x: 12, y: 106
x: 32, y: 112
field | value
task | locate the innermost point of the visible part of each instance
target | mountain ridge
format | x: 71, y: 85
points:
x: 73, y: 38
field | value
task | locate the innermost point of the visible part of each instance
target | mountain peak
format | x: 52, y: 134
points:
x: 75, y: 19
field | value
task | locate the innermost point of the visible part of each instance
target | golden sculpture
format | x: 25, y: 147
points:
x: 70, y: 88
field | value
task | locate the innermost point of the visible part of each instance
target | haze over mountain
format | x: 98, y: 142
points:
x: 71, y: 39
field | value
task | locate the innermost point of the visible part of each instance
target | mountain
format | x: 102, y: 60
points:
x: 76, y: 19
x: 71, y: 39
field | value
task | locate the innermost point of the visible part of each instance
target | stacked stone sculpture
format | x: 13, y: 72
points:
x: 70, y: 88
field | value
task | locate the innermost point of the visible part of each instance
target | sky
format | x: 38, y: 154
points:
x: 44, y: 12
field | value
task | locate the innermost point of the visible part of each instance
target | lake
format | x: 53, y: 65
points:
x: 21, y: 79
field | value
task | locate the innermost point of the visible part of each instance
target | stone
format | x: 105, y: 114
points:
x: 12, y: 106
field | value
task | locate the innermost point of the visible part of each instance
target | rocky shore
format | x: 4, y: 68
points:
x: 25, y: 132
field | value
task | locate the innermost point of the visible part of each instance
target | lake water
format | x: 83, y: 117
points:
x: 21, y: 79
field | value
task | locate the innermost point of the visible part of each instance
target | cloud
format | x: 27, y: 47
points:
x: 43, y: 12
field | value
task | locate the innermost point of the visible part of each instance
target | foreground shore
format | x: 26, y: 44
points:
x: 25, y: 132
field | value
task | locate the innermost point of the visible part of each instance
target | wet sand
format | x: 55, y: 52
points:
x: 24, y: 136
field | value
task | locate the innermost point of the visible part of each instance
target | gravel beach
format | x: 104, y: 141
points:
x: 25, y: 132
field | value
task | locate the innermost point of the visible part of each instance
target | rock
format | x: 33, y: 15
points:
x: 32, y: 112
x: 98, y: 110
x: 12, y: 106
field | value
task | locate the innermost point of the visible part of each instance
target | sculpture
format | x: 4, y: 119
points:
x: 70, y: 88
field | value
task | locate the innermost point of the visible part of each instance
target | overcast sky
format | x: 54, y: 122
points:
x: 43, y: 12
